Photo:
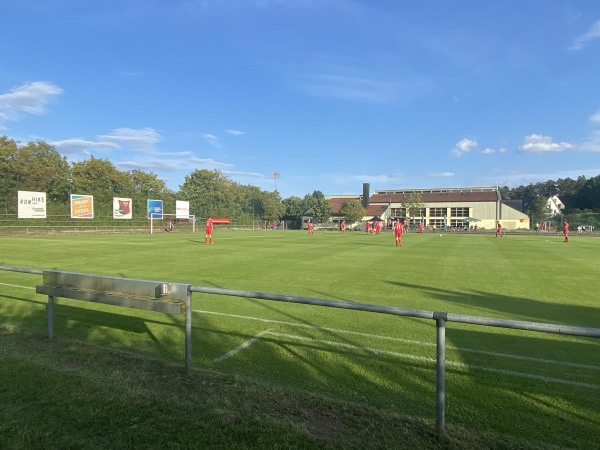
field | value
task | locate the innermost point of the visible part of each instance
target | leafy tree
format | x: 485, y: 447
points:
x: 413, y: 203
x: 205, y: 190
x: 36, y: 166
x: 142, y: 186
x: 146, y: 184
x: 273, y: 208
x: 39, y: 165
x: 321, y: 210
x: 539, y: 210
x: 294, y: 208
x: 100, y: 178
x: 248, y: 203
x: 311, y: 200
x: 505, y: 192
x: 8, y: 178
x: 210, y: 193
x: 588, y: 196
x: 352, y: 210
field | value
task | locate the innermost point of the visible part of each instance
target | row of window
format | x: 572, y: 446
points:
x: 442, y: 223
x: 433, y: 212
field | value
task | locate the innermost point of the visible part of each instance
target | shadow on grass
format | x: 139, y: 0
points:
x: 483, y: 400
x: 512, y: 307
x: 518, y: 376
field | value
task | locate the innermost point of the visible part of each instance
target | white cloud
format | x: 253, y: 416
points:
x: 167, y: 153
x: 464, y: 146
x: 77, y: 145
x: 349, y: 87
x: 235, y: 132
x: 130, y: 137
x: 593, y: 33
x: 487, y: 151
x: 208, y: 162
x: 595, y: 118
x: 357, y: 84
x: 212, y: 140
x: 29, y: 98
x: 592, y: 144
x: 536, y: 143
x: 3, y: 118
x: 152, y: 165
x: 245, y: 174
x: 441, y: 174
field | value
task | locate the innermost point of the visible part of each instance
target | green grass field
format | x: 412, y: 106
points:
x: 540, y: 388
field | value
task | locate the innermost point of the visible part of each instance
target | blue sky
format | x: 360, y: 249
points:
x: 330, y: 94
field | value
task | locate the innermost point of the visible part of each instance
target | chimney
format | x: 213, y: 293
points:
x: 366, y: 195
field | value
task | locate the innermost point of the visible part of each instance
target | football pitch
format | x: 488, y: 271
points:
x: 537, y: 386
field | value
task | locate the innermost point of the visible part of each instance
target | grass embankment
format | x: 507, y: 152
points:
x: 69, y: 394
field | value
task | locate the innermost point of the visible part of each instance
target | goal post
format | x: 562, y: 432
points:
x: 161, y: 216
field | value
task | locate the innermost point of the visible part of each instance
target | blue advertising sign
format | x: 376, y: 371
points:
x: 155, y: 209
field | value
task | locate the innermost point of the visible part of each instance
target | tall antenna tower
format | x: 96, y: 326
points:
x: 275, y: 178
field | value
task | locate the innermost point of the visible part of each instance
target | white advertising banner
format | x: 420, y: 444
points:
x: 122, y: 208
x: 32, y: 205
x: 182, y: 209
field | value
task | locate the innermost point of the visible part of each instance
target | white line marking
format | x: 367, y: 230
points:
x: 17, y: 286
x: 412, y: 357
x: 406, y: 341
x: 83, y: 241
x: 239, y: 348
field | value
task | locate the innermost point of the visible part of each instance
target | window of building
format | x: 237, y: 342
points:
x: 458, y: 224
x: 438, y: 223
x: 437, y: 212
x: 459, y: 212
x: 398, y: 212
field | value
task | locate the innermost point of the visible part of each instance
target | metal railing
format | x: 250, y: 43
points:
x: 441, y: 318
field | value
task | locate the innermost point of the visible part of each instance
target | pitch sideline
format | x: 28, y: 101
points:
x: 405, y: 341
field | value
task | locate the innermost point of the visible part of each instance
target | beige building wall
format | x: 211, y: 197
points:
x: 510, y: 218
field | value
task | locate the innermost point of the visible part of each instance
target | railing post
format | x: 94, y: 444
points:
x: 440, y: 404
x: 50, y: 317
x: 188, y: 330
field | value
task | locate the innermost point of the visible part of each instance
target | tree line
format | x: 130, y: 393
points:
x: 38, y: 166
x: 579, y: 196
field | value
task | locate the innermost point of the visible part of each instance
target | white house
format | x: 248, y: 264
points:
x: 555, y: 206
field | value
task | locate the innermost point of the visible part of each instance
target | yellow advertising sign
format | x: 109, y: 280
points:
x: 82, y: 206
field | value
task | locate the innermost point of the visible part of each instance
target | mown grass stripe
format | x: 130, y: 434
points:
x: 404, y: 341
